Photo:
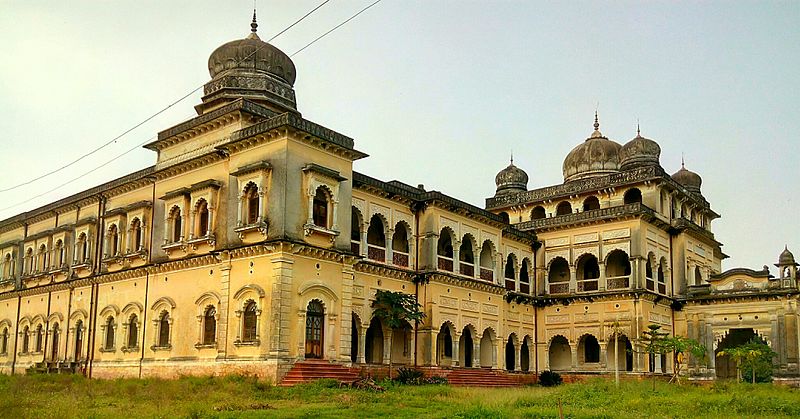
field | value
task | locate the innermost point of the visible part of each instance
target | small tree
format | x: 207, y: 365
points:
x: 616, y: 332
x: 681, y: 346
x: 754, y: 356
x: 655, y: 343
x: 396, y: 309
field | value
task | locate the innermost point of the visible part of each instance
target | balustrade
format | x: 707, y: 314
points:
x: 355, y: 247
x: 376, y: 253
x: 400, y: 258
x: 559, y: 288
x: 445, y: 264
x: 487, y: 274
x: 467, y: 269
x: 587, y: 285
x: 618, y: 282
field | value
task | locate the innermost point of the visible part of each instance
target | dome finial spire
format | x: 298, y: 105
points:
x: 638, y: 131
x: 683, y: 166
x: 512, y: 156
x: 254, y: 23
x: 596, y: 122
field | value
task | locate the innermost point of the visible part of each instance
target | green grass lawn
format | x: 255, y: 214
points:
x: 56, y: 396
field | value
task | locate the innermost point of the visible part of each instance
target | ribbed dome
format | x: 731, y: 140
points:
x: 597, y: 156
x: 511, y: 179
x: 786, y: 258
x: 690, y: 180
x: 252, y: 69
x: 639, y: 152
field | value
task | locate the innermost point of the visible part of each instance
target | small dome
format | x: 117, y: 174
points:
x: 639, y: 152
x: 511, y: 179
x: 786, y: 258
x: 688, y: 179
x: 249, y: 55
x: 597, y: 156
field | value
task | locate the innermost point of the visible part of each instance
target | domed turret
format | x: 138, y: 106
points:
x: 639, y: 152
x: 688, y: 179
x: 512, y: 179
x: 786, y: 258
x: 597, y: 156
x: 253, y: 69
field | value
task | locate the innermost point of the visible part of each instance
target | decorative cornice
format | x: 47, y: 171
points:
x: 250, y: 168
x: 369, y: 267
x: 461, y: 281
x: 324, y: 171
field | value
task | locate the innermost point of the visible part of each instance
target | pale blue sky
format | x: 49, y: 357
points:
x: 437, y: 92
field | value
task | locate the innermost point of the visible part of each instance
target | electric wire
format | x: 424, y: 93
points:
x: 181, y: 99
x: 335, y: 28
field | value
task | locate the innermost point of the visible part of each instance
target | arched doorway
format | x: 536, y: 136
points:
x: 355, y: 322
x: 624, y: 357
x: 373, y: 353
x: 560, y: 354
x: 444, y: 344
x: 465, y: 348
x: 315, y: 322
x: 725, y: 366
x: 524, y: 355
x: 510, y: 355
x: 588, y: 350
x: 487, y: 349
x: 401, y: 344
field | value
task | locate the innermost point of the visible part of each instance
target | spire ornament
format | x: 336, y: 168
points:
x: 254, y: 23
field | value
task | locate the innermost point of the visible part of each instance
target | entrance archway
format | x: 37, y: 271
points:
x: 465, y: 348
x: 315, y: 333
x: 487, y: 348
x: 354, y: 334
x: 510, y: 355
x: 444, y: 345
x: 373, y: 351
x: 625, y: 356
x: 524, y: 356
x: 560, y: 354
x: 725, y: 366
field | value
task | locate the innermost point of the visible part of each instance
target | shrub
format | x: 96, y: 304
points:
x: 408, y: 376
x: 549, y: 378
x: 435, y: 380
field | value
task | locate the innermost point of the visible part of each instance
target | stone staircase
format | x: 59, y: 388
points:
x: 310, y: 370
x: 480, y: 377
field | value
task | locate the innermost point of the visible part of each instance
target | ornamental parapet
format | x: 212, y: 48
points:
x: 601, y: 214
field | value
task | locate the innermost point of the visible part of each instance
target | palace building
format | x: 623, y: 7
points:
x: 251, y: 246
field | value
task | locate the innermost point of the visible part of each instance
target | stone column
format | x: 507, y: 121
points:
x: 240, y: 217
x: 224, y: 308
x: 387, y: 345
x: 362, y: 344
x: 601, y: 282
x: 280, y: 315
x: 389, y: 238
x: 573, y: 279
x: 518, y: 357
x: 476, y: 352
x: 604, y: 356
x: 574, y: 350
x: 456, y: 359
x: 192, y: 216
x: 456, y: 255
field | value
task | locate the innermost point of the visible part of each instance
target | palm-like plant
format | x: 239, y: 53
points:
x: 396, y: 309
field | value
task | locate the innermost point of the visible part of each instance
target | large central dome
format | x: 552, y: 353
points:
x: 253, y: 69
x: 596, y: 156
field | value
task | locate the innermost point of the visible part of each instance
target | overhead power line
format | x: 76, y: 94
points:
x: 149, y: 118
x: 167, y: 107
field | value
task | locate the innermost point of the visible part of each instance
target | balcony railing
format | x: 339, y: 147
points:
x: 400, y: 258
x: 355, y: 247
x: 511, y: 285
x: 376, y: 253
x: 650, y: 284
x: 445, y: 264
x: 618, y: 282
x: 587, y: 285
x: 593, y: 215
x: 487, y: 274
x: 559, y: 288
x: 662, y: 288
x: 467, y: 269
x: 524, y: 288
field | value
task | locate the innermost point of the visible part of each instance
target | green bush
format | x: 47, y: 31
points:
x: 549, y: 378
x: 408, y: 376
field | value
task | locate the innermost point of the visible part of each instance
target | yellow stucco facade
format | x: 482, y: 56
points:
x: 252, y: 244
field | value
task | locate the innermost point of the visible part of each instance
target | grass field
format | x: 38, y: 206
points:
x: 232, y: 397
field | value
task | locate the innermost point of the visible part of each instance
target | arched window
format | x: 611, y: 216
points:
x: 538, y: 213
x: 7, y: 272
x: 524, y: 281
x: 632, y: 196
x: 29, y: 261
x: 136, y: 234
x: 251, y: 201
x: 26, y: 339
x: 4, y: 341
x: 400, y: 246
x: 588, y: 272
x: 54, y: 343
x: 39, y: 338
x: 83, y: 248
x: 133, y: 332
x: 648, y: 273
x: 113, y: 240
x: 662, y: 283
x: 163, y: 330
x: 249, y: 331
x: 444, y: 250
x: 591, y: 349
x: 618, y: 270
x: 59, y: 251
x: 376, y: 239
x: 78, y: 339
x: 487, y: 261
x: 591, y: 203
x: 511, y: 283
x: 176, y: 234
x: 505, y: 217
x: 202, y: 218
x: 564, y: 208
x: 698, y: 276
x: 109, y: 341
x: 42, y: 263
x: 320, y: 210
x: 210, y: 326
x: 355, y: 230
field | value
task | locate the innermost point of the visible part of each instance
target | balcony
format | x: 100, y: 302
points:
x: 467, y: 269
x: 587, y: 216
x: 487, y: 274
x: 511, y: 285
x: 524, y: 288
x: 376, y: 253
x: 588, y: 285
x: 559, y: 288
x: 662, y: 288
x: 618, y: 282
x: 650, y: 284
x: 400, y: 258
x: 445, y: 264
x: 355, y: 247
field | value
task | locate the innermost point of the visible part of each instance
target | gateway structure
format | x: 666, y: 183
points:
x: 252, y: 244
